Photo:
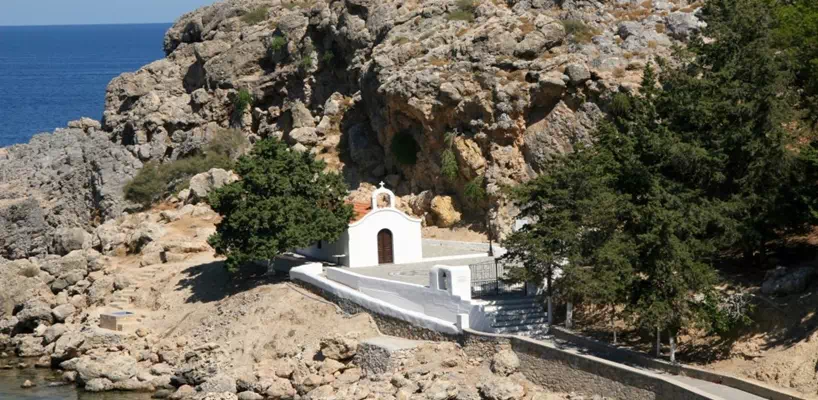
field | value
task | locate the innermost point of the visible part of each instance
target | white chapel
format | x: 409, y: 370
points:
x: 377, y: 235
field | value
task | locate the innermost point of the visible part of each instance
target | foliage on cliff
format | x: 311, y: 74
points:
x: 709, y: 159
x: 284, y: 201
x: 156, y: 180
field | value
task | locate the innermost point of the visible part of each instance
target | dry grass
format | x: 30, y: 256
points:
x: 628, y: 55
x: 652, y: 44
x: 518, y: 75
x: 438, y: 62
x: 660, y: 28
x: 462, y: 32
x: 526, y: 26
x: 256, y: 16
x: 579, y: 31
x: 30, y: 271
x: 619, y: 72
x: 400, y: 40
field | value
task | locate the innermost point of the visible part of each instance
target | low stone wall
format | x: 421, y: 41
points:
x: 563, y: 371
x: 636, y: 358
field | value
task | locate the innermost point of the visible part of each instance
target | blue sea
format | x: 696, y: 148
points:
x: 50, y: 75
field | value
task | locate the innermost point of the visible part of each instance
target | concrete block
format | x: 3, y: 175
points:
x: 382, y: 353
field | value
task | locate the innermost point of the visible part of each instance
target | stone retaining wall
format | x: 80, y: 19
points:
x: 636, y: 358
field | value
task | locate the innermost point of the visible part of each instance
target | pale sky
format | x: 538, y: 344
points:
x: 80, y: 12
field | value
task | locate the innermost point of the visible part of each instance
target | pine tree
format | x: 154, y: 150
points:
x: 283, y: 201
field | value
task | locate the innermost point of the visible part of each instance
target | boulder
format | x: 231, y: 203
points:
x: 29, y: 346
x: 339, y: 347
x: 33, y: 313
x: 501, y: 389
x: 505, y: 363
x: 66, y: 240
x: 184, y: 392
x: 782, y: 281
x: 53, y: 333
x: 202, y: 184
x: 67, y: 346
x: 99, y: 385
x: 578, y: 73
x: 682, y: 25
x: 444, y: 211
x: 86, y: 124
x: 248, y: 395
x: 220, y: 383
x: 144, y: 234
x: 304, y: 136
x: 114, y: 367
x: 301, y: 116
x: 63, y: 312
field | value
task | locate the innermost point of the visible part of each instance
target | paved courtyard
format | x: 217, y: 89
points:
x: 435, y: 252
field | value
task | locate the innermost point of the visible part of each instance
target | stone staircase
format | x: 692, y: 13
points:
x: 122, y: 299
x: 524, y: 316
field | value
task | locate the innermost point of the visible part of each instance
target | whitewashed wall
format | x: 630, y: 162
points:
x: 329, y: 250
x: 312, y: 274
x: 363, y: 238
x: 436, y: 303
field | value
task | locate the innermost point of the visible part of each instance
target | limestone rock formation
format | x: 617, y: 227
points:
x: 57, y: 182
x: 344, y: 79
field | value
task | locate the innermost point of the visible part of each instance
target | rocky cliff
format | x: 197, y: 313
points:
x: 500, y: 85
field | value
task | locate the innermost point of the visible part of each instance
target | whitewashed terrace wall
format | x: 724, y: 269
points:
x: 427, y: 300
x: 312, y: 274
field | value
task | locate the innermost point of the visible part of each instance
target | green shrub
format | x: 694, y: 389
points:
x: 448, y: 165
x: 468, y: 5
x: 327, y: 57
x: 241, y: 100
x: 146, y: 186
x: 578, y: 30
x: 405, y: 149
x: 460, y: 15
x: 474, y: 190
x: 448, y: 138
x: 156, y: 180
x: 255, y: 16
x: 277, y: 43
x: 620, y: 104
x: 306, y: 62
x: 465, y: 11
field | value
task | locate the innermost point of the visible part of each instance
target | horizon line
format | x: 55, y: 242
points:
x: 92, y: 24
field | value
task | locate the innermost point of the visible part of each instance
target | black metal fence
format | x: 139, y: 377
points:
x: 487, y: 280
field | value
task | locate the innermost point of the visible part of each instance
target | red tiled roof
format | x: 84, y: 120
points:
x: 360, y: 209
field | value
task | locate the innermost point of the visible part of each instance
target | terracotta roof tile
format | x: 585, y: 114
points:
x: 360, y: 209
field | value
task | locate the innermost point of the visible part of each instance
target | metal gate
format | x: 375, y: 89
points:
x: 487, y: 280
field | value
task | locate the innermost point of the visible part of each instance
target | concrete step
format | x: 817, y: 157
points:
x: 515, y: 311
x: 523, y: 321
x: 513, y: 301
x: 501, y: 317
x: 520, y: 329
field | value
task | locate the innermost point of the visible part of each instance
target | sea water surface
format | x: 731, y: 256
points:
x: 50, y: 75
x: 49, y: 386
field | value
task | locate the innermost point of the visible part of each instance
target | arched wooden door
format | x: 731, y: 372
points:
x: 385, y: 247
